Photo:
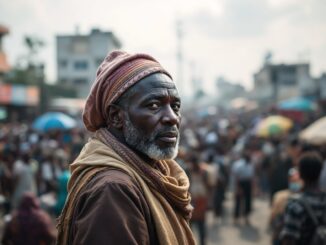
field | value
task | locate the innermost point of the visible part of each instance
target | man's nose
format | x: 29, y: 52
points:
x: 170, y: 116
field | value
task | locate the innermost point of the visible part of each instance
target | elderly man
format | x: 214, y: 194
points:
x: 125, y: 187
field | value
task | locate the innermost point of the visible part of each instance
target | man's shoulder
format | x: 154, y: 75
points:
x: 295, y: 205
x: 110, y: 177
x: 298, y: 201
x: 282, y: 194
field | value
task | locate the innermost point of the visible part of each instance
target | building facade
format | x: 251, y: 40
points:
x: 274, y: 83
x: 78, y: 57
x: 321, y: 81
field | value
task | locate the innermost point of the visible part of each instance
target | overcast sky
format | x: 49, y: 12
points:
x: 226, y: 38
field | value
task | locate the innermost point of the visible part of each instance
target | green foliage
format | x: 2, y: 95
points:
x: 27, y: 70
x: 33, y: 45
x: 22, y: 76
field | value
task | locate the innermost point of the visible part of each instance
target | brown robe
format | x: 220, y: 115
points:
x: 112, y: 209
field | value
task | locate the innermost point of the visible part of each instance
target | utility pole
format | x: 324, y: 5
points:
x: 179, y: 54
x: 43, y: 99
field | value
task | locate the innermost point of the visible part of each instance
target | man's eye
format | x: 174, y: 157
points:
x: 176, y: 107
x: 153, y: 106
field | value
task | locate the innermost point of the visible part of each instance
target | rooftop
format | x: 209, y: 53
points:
x: 94, y: 31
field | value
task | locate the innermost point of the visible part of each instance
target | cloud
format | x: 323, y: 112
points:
x: 221, y: 37
x: 252, y: 18
x: 239, y: 19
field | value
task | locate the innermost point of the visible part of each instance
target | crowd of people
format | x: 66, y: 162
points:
x: 123, y: 185
x: 223, y: 153
x: 220, y: 154
x: 34, y: 173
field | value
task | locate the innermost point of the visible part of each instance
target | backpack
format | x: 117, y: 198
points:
x: 319, y: 236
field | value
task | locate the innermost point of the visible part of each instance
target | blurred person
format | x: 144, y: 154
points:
x: 279, y: 203
x: 269, y: 154
x: 125, y: 186
x: 293, y: 150
x: 29, y: 224
x: 181, y: 159
x: 199, y: 189
x: 322, y: 178
x: 299, y: 226
x: 220, y: 187
x: 47, y: 145
x: 243, y: 174
x: 212, y: 173
x: 62, y: 191
x: 47, y: 172
x: 24, y: 178
x: 6, y: 179
x: 77, y: 143
x: 283, y: 159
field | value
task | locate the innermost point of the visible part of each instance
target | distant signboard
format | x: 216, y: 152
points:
x: 32, y: 95
x: 19, y: 95
x: 5, y: 94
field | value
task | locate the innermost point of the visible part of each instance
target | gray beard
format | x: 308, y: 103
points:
x: 146, y: 145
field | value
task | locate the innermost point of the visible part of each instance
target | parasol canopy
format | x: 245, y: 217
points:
x: 315, y: 133
x: 297, y: 104
x: 54, y: 120
x: 273, y: 126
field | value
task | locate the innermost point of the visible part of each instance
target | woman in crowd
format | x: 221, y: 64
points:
x: 29, y: 224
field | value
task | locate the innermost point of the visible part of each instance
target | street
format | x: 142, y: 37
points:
x: 226, y: 233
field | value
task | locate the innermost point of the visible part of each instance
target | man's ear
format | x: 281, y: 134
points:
x: 115, y: 116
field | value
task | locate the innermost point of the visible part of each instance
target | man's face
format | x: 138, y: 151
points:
x: 152, y: 117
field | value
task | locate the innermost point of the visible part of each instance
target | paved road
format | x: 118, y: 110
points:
x: 226, y: 233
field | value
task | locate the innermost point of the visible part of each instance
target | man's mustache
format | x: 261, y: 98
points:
x: 168, y: 131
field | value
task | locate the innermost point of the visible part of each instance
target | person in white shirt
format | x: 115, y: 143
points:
x: 24, y: 175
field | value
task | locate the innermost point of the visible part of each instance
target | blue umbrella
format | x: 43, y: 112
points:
x: 297, y: 104
x: 53, y: 120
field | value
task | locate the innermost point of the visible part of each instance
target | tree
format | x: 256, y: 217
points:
x: 33, y: 44
x: 26, y: 70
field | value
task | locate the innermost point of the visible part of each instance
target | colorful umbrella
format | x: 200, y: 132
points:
x: 315, y: 133
x: 53, y: 120
x: 273, y: 126
x: 297, y: 104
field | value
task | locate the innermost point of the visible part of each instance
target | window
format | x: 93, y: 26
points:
x: 80, y: 46
x: 81, y: 65
x: 63, y: 64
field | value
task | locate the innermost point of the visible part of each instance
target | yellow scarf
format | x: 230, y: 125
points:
x: 165, y: 188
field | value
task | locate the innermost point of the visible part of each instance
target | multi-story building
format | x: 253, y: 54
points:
x: 274, y: 83
x: 78, y: 57
x: 321, y: 81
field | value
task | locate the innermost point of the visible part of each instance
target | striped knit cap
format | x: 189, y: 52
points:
x: 118, y: 72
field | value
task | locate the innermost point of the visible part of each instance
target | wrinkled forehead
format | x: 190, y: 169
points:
x: 155, y: 81
x: 155, y: 85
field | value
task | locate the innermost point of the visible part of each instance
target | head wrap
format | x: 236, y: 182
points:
x: 118, y: 72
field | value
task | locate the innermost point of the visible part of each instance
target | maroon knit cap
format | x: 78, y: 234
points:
x: 118, y: 72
